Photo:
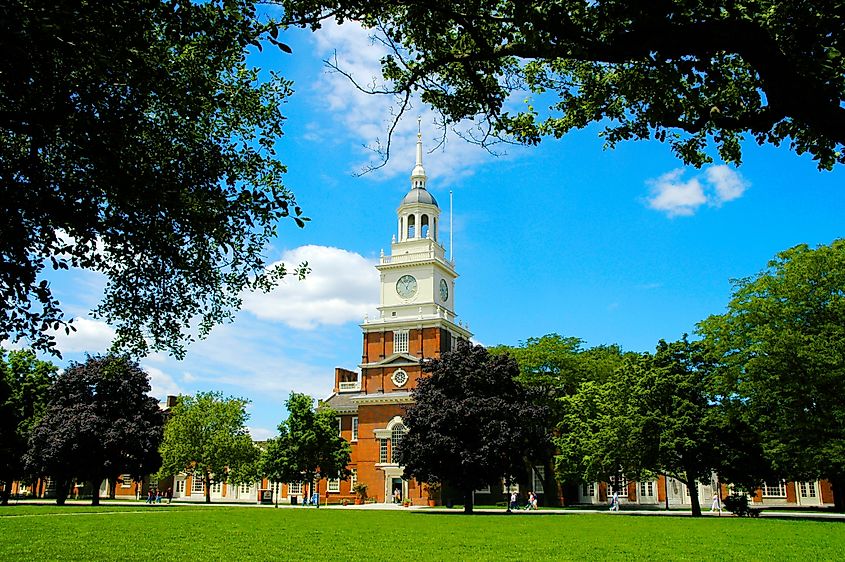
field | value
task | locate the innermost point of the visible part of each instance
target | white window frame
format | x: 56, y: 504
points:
x: 401, y: 340
x: 294, y: 488
x: 538, y: 482
x: 484, y: 490
x: 353, y: 478
x: 383, y: 456
x: 513, y: 488
x: 354, y: 428
x: 623, y: 487
x: 588, y: 490
x: 197, y: 489
x: 807, y: 489
x: 647, y: 489
x: 774, y: 490
x: 333, y: 485
x: 339, y: 425
x: 125, y: 481
x: 398, y: 430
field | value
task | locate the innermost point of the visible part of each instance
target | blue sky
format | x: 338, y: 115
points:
x: 622, y: 246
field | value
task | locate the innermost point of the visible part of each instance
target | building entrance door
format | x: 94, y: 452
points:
x: 396, y: 489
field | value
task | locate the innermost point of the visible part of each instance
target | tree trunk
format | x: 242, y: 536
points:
x: 468, y: 501
x: 62, y: 485
x: 837, y: 484
x: 692, y: 486
x: 113, y: 485
x: 95, y: 491
x: 207, y: 479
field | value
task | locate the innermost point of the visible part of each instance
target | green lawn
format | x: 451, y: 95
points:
x: 227, y: 533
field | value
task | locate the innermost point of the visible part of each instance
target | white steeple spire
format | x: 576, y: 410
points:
x: 418, y: 176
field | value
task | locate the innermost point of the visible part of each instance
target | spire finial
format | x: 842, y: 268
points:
x: 418, y: 174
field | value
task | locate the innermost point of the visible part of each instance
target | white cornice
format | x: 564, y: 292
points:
x: 384, y: 398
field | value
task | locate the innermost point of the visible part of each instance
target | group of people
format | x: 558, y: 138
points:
x: 154, y: 495
x: 531, y: 504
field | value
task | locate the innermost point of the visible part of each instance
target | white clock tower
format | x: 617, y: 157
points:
x: 417, y: 280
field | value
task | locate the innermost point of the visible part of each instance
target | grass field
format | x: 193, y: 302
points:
x: 230, y: 533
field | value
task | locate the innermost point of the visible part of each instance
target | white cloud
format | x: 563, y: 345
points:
x: 366, y: 118
x: 91, y: 336
x: 261, y: 433
x: 342, y: 287
x: 729, y: 185
x: 676, y: 197
x: 673, y: 195
x: 162, y: 384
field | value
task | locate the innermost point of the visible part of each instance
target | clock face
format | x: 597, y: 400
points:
x: 406, y: 287
x: 444, y: 290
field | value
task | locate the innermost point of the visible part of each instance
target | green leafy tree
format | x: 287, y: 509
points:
x: 99, y: 423
x: 656, y: 413
x: 206, y: 436
x: 309, y: 446
x: 24, y: 386
x: 685, y: 72
x: 135, y: 141
x: 676, y: 413
x: 472, y: 423
x: 783, y: 343
x: 597, y: 434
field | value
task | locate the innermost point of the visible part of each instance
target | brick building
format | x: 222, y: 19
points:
x: 417, y: 321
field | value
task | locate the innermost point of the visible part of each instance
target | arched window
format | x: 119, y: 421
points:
x: 411, y: 225
x: 424, y: 226
x: 396, y: 436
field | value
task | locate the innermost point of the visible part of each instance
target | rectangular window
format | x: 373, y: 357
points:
x: 589, y: 489
x: 180, y: 486
x: 777, y: 490
x: 217, y: 488
x: 400, y: 341
x: 353, y: 478
x: 621, y: 487
x: 294, y: 488
x: 355, y: 428
x: 808, y: 489
x: 484, y: 490
x: 647, y: 488
x: 538, y: 475
x: 125, y: 481
x: 382, y: 450
x: 334, y: 485
x: 197, y: 485
x: 245, y: 489
x: 340, y: 426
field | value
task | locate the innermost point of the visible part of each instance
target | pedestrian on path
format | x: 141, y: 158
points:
x: 717, y: 503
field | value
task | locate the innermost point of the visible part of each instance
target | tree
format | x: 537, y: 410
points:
x: 135, y: 141
x: 682, y: 71
x: 471, y: 423
x: 24, y: 385
x: 99, y: 423
x: 308, y: 446
x: 596, y: 432
x: 783, y: 343
x: 676, y: 414
x: 206, y: 436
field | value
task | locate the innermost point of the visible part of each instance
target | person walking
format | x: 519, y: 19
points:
x: 169, y: 495
x: 614, y: 501
x: 717, y: 504
x: 514, y: 499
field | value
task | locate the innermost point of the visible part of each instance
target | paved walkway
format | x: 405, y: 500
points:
x: 796, y: 513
